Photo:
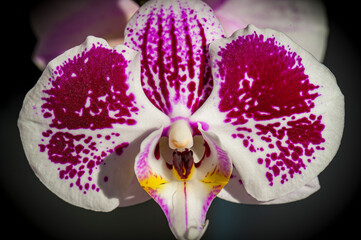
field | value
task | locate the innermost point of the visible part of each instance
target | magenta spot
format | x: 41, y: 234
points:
x: 88, y: 139
x: 42, y: 147
x: 269, y: 176
x: 320, y: 148
x: 207, y: 153
x: 252, y: 149
x: 91, y: 164
x: 276, y: 170
x: 268, y: 161
x: 157, y: 152
x: 309, y: 152
x: 284, y: 178
x: 61, y: 174
x: 47, y: 115
x: 47, y: 133
x: 81, y: 173
x: 131, y: 122
x: 192, y: 86
x: 120, y: 148
x: 245, y: 143
x: 79, y: 148
x: 244, y: 129
x: 72, y: 173
x: 294, y: 156
x: 266, y: 139
x: 106, y: 179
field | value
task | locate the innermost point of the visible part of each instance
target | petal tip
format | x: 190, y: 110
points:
x: 192, y: 232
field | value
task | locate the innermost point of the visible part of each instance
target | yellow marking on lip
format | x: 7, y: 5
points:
x: 216, y: 178
x: 183, y: 179
x: 152, y: 182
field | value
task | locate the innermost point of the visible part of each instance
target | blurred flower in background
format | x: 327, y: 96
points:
x: 60, y: 25
x: 304, y: 21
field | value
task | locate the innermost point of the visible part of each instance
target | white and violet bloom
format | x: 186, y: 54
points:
x: 181, y: 114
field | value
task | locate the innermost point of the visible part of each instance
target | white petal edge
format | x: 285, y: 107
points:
x: 235, y: 192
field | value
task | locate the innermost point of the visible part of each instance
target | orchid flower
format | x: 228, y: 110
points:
x: 181, y: 114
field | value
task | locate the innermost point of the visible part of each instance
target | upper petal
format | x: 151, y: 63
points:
x: 305, y: 22
x: 82, y: 124
x: 61, y: 25
x: 278, y: 112
x: 173, y: 37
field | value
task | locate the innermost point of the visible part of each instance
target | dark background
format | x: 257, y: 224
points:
x: 29, y: 209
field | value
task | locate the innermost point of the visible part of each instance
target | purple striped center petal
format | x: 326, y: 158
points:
x: 172, y: 39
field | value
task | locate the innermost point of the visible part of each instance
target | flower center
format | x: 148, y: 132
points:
x: 183, y: 163
x: 180, y: 135
x: 182, y: 151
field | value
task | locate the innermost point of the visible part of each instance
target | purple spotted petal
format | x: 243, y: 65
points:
x: 278, y: 112
x: 81, y: 125
x: 184, y: 202
x: 173, y: 38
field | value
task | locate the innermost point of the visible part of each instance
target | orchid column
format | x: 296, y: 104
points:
x: 179, y: 111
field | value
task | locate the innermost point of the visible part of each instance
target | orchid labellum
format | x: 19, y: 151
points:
x: 181, y: 114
